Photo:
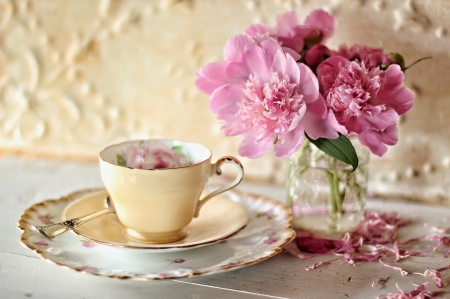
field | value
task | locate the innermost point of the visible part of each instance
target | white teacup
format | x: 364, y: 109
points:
x: 155, y: 185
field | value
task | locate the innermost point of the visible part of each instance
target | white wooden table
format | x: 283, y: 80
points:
x: 23, y: 274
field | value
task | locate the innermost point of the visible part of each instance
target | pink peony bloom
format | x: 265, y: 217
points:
x: 316, y: 55
x: 261, y: 92
x: 291, y: 33
x: 364, y: 102
x: 151, y: 155
x: 372, y: 57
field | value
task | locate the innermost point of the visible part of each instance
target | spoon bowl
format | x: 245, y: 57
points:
x: 54, y: 230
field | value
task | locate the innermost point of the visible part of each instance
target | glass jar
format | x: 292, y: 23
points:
x: 325, y: 195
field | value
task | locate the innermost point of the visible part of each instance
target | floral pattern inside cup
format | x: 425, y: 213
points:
x: 153, y: 154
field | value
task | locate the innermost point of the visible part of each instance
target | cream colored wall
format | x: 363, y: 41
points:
x: 78, y: 75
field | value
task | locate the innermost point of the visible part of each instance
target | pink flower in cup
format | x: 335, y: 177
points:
x: 261, y: 92
x: 364, y: 102
x: 291, y: 33
x: 151, y: 154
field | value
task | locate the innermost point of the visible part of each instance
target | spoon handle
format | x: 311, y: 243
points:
x: 54, y: 230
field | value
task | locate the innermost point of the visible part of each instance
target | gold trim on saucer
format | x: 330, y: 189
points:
x: 271, y: 231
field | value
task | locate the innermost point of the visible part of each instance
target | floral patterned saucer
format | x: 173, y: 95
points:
x: 266, y: 233
x: 219, y: 219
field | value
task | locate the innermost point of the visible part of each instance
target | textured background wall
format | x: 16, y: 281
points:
x: 78, y: 75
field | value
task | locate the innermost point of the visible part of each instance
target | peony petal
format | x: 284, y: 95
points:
x: 225, y: 97
x: 270, y: 48
x: 381, y: 121
x: 328, y: 70
x: 236, y: 46
x: 256, y: 29
x: 258, y: 63
x: 401, y: 109
x: 292, y: 69
x: 313, y: 244
x: 323, y: 21
x: 372, y: 140
x: 394, y: 80
x: 252, y: 148
x: 286, y: 21
x: 232, y: 126
x: 309, y: 84
x: 400, y: 100
x: 292, y: 142
x: 237, y: 73
x: 316, y: 55
x: 296, y: 43
x: 298, y: 118
x: 401, y: 96
x: 211, y: 77
x: 334, y: 123
x: 292, y: 53
x: 357, y: 125
x: 233, y: 129
x: 279, y: 64
x: 389, y: 136
x: 302, y: 32
x: 315, y: 121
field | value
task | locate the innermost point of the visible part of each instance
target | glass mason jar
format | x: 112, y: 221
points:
x: 325, y: 196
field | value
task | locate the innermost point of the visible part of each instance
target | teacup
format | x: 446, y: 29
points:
x: 156, y: 184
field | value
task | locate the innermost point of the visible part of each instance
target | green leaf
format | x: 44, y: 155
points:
x: 179, y: 150
x: 340, y: 148
x: 121, y: 161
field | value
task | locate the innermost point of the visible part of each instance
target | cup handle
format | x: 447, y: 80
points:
x: 215, y: 169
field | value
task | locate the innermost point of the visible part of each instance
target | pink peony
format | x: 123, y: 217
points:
x: 316, y: 55
x: 151, y: 155
x: 261, y: 92
x: 364, y: 102
x: 291, y: 33
x: 372, y: 57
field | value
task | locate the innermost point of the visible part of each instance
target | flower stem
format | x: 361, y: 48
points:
x: 332, y: 201
x: 335, y: 196
x: 301, y: 152
x: 288, y: 186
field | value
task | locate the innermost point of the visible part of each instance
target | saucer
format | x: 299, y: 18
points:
x: 265, y: 235
x: 219, y: 219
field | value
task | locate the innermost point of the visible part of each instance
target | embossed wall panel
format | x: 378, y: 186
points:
x: 78, y: 75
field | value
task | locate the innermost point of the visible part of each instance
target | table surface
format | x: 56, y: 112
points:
x: 26, y: 181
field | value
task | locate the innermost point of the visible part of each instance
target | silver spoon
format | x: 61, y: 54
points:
x: 54, y: 230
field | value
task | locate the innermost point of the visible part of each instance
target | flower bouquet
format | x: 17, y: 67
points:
x: 282, y: 87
